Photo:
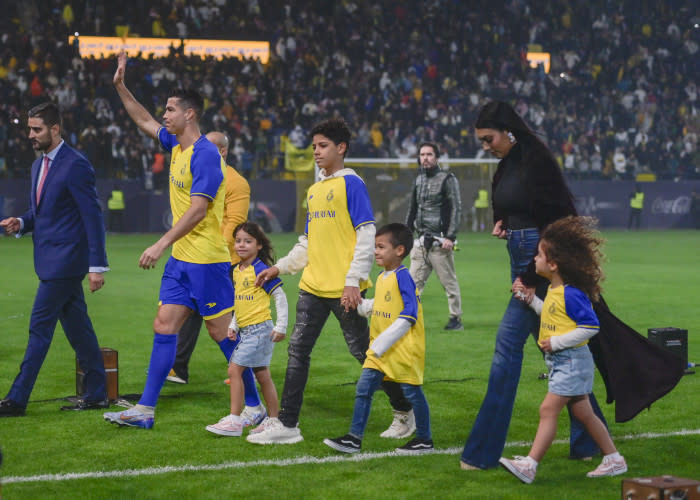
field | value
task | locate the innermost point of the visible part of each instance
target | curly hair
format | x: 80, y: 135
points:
x: 266, y: 253
x: 574, y: 245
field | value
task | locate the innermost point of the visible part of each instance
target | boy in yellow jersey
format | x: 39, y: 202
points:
x: 397, y: 350
x: 335, y: 254
x: 196, y: 276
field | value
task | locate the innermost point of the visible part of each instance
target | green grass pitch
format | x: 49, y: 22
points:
x: 652, y: 281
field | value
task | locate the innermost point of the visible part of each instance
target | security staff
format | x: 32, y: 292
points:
x: 481, y: 207
x: 116, y: 206
x: 636, y: 206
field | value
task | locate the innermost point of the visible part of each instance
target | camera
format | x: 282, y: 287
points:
x: 430, y: 241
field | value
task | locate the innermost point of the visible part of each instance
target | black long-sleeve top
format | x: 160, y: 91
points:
x: 529, y: 191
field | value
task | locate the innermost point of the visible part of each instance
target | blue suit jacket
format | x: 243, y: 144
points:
x: 69, y: 233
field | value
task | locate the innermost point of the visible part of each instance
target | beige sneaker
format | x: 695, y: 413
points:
x: 267, y: 422
x: 275, y: 432
x: 403, y: 425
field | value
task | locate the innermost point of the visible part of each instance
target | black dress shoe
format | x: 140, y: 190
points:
x: 9, y: 408
x: 82, y: 404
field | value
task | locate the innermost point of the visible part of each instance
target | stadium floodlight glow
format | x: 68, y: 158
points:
x: 106, y: 46
x: 76, y: 34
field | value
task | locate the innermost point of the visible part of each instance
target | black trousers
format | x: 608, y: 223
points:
x: 186, y: 341
x: 312, y: 313
x: 635, y: 218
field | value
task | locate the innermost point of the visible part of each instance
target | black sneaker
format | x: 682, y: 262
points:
x: 416, y: 446
x: 346, y: 443
x: 454, y: 324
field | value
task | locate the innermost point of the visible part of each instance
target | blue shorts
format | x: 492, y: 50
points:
x: 570, y: 371
x: 255, y: 347
x: 205, y: 288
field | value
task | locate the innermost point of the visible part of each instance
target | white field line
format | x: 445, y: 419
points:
x: 304, y: 460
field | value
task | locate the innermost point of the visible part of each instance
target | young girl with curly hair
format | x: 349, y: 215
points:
x: 569, y: 256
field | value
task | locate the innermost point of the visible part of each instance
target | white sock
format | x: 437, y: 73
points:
x: 532, y: 461
x: 257, y: 409
x: 146, y: 410
x: 235, y: 418
x: 614, y: 456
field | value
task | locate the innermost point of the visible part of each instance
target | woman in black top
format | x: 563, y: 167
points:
x: 528, y: 193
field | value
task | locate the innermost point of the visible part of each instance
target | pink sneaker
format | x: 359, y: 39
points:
x: 267, y: 422
x: 520, y: 467
x: 610, y: 467
x: 227, y: 426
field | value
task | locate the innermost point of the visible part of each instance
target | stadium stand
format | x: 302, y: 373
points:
x: 621, y: 98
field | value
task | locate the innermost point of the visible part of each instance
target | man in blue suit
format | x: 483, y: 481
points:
x: 69, y: 242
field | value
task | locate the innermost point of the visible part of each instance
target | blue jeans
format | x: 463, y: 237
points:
x: 370, y: 381
x: 312, y: 313
x: 487, y: 439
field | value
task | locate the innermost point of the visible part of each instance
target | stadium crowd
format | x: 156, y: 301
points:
x: 621, y: 97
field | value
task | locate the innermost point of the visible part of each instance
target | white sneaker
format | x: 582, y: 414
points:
x: 227, y: 426
x: 175, y: 378
x: 275, y: 433
x: 520, y: 467
x: 609, y: 467
x: 403, y: 425
x: 252, y: 415
x: 264, y: 425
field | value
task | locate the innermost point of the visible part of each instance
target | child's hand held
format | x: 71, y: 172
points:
x: 546, y: 345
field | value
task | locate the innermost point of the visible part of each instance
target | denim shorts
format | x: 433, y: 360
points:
x: 570, y: 371
x: 256, y: 346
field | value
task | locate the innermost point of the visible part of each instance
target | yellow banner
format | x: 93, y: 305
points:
x: 105, y: 46
x: 297, y: 160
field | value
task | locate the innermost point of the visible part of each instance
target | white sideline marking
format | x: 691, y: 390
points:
x: 359, y: 457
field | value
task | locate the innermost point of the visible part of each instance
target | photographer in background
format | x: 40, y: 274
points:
x: 434, y: 211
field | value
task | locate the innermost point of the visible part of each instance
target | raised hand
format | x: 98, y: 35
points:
x: 121, y: 69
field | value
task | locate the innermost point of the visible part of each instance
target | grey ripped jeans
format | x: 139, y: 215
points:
x: 312, y: 313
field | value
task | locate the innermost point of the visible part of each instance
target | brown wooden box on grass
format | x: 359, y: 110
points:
x: 110, y: 358
x: 660, y: 488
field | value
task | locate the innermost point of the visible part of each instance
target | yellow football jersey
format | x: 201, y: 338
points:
x: 337, y: 207
x: 197, y: 171
x: 235, y: 208
x: 396, y: 297
x: 565, y: 308
x: 252, y: 303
